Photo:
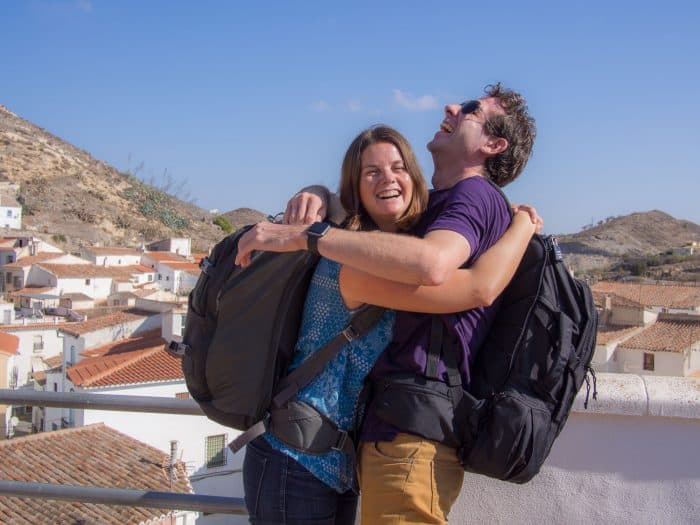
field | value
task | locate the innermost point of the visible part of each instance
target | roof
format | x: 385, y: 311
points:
x: 33, y: 259
x: 9, y: 344
x: 665, y: 336
x: 615, y: 300
x: 111, y: 250
x: 611, y: 333
x: 666, y: 296
x: 34, y: 291
x: 94, y: 455
x: 35, y: 326
x: 77, y: 297
x: 81, y: 271
x: 98, y: 323
x: 165, y: 256
x: 135, y: 360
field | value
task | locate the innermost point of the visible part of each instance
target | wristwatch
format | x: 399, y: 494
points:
x: 314, y: 233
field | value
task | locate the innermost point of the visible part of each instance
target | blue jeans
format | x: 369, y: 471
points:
x: 278, y: 490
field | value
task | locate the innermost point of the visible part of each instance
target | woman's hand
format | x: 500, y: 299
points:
x: 532, y: 212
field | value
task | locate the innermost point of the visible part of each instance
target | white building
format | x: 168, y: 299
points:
x: 14, y: 275
x: 140, y: 366
x: 111, y: 255
x: 10, y: 212
x: 179, y: 245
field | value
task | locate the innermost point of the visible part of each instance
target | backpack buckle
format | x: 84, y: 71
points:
x: 340, y: 444
x: 350, y: 333
x: 179, y: 349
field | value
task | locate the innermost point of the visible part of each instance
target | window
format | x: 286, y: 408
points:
x: 8, y: 259
x: 55, y: 387
x: 167, y: 277
x: 160, y: 277
x: 8, y: 277
x: 648, y: 361
x: 150, y: 278
x: 17, y: 282
x: 38, y: 343
x: 216, y: 451
x: 182, y: 395
x: 87, y: 282
x: 9, y: 213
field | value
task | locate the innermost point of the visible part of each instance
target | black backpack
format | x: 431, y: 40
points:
x: 523, y: 381
x: 240, y: 332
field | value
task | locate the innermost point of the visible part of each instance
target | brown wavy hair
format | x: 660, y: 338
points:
x: 517, y: 127
x: 358, y: 218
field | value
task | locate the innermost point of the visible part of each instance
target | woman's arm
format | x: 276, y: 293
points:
x: 479, y: 285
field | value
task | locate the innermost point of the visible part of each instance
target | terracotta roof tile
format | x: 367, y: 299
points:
x: 610, y: 333
x: 136, y: 360
x: 81, y: 271
x: 111, y: 250
x: 95, y: 455
x: 34, y: 290
x: 165, y: 256
x: 32, y: 259
x: 9, y: 344
x: 615, y: 300
x: 35, y: 326
x: 665, y: 336
x: 98, y: 323
x: 666, y: 296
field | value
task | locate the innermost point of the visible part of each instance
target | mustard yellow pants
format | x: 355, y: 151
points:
x: 408, y: 480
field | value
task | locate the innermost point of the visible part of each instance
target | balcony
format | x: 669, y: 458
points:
x: 632, y: 457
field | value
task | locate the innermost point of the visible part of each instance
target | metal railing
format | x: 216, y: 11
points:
x: 107, y: 495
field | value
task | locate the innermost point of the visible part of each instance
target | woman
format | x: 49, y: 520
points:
x: 381, y: 188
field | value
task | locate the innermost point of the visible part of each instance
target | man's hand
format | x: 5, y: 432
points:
x: 306, y: 208
x: 532, y: 212
x: 271, y: 237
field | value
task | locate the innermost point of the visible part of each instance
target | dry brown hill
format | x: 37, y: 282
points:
x: 75, y: 199
x: 637, y: 235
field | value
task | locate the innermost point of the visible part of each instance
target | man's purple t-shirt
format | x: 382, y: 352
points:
x: 474, y: 209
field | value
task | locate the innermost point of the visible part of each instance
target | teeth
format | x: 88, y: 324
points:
x: 444, y: 126
x: 389, y: 194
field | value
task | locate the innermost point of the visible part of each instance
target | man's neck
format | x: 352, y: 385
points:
x: 444, y: 179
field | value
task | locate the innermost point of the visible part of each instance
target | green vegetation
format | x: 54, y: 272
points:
x: 154, y: 204
x: 223, y: 223
x: 58, y: 237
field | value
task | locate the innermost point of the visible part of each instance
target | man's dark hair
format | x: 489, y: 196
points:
x: 517, y: 127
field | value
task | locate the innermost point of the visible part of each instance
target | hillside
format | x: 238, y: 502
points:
x: 74, y: 199
x: 637, y: 237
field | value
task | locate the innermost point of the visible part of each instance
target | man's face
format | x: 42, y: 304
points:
x: 461, y: 134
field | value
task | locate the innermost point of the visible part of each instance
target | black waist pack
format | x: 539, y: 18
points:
x: 524, y: 379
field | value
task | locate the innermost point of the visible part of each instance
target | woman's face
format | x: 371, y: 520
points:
x: 386, y: 187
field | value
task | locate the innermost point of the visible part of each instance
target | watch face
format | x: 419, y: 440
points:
x: 318, y: 228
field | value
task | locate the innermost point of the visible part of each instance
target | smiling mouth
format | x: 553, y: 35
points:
x: 446, y: 127
x: 388, y: 194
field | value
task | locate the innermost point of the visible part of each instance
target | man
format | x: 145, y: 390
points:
x: 405, y: 476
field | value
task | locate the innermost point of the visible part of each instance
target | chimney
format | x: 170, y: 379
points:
x: 172, y: 461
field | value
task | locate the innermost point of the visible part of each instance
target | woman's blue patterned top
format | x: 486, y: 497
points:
x: 334, y: 392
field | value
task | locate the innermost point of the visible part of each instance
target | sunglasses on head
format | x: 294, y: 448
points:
x: 470, y: 106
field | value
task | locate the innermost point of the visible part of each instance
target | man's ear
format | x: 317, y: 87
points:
x: 494, y: 146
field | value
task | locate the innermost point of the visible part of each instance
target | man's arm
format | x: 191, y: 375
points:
x: 427, y: 261
x: 477, y: 286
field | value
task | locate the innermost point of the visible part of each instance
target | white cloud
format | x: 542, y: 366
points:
x: 320, y: 105
x: 411, y: 103
x: 355, y: 106
x: 84, y: 5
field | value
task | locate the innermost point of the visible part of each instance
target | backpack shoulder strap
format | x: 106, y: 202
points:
x: 359, y: 325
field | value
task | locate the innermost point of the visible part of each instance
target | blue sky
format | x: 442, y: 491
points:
x: 245, y: 102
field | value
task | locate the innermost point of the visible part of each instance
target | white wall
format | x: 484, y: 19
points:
x: 11, y: 217
x: 111, y: 333
x: 665, y: 363
x: 115, y: 260
x: 631, y: 458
